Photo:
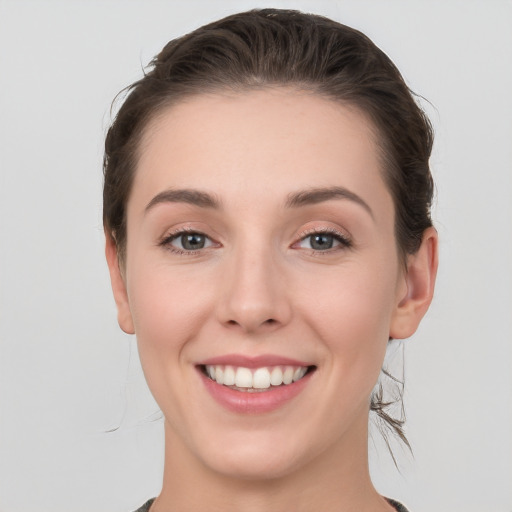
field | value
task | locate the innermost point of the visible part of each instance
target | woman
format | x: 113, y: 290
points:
x: 267, y: 214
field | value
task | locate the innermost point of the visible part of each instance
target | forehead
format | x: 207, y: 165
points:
x: 258, y: 144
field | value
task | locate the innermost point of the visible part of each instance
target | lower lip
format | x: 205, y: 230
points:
x: 246, y: 402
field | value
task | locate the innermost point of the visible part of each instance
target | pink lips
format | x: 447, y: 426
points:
x: 246, y: 402
x: 253, y: 362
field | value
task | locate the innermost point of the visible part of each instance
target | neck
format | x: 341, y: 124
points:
x: 335, y: 481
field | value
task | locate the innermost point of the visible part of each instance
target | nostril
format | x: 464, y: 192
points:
x: 269, y: 322
x: 252, y: 322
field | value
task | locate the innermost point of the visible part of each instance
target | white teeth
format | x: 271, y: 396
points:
x: 219, y: 375
x: 288, y: 375
x: 243, y: 378
x: 299, y: 373
x: 276, y: 377
x: 259, y: 378
x: 229, y: 376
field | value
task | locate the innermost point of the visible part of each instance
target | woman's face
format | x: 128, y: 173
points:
x: 260, y: 247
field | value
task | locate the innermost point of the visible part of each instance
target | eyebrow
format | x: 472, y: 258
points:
x: 189, y: 196
x: 295, y: 200
x: 319, y: 195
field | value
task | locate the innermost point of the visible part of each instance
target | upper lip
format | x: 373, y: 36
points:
x: 253, y: 362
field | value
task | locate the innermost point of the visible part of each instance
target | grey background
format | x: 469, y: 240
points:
x: 67, y: 373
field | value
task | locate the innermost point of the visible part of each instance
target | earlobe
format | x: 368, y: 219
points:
x: 124, y: 315
x: 420, y: 279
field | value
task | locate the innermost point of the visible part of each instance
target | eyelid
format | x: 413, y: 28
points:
x: 170, y: 236
x: 342, y: 237
x: 324, y: 229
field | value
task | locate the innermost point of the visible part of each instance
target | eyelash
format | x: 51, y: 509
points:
x: 167, y: 240
x: 344, y: 241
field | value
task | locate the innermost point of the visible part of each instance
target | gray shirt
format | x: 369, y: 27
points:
x: 398, y: 506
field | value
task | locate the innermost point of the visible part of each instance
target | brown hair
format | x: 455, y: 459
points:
x: 272, y: 47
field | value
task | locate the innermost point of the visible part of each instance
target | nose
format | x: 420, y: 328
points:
x: 254, y: 297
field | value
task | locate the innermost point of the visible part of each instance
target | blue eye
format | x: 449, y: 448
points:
x: 323, y: 241
x: 188, y: 241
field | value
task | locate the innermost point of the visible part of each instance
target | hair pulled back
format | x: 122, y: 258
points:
x: 273, y: 47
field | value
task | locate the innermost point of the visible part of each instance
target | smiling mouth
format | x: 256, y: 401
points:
x: 255, y: 380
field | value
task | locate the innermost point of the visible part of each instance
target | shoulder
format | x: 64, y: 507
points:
x: 145, y: 507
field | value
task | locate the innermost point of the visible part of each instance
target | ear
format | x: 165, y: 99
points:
x: 124, y: 315
x: 420, y: 278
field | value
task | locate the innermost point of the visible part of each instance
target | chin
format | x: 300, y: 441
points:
x: 253, y: 458
x: 253, y: 468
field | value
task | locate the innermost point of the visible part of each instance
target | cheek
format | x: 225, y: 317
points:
x: 168, y: 308
x: 352, y: 315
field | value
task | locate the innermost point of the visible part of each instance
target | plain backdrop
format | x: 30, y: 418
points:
x: 78, y: 429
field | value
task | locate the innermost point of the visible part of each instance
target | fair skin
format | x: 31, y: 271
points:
x: 294, y: 261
